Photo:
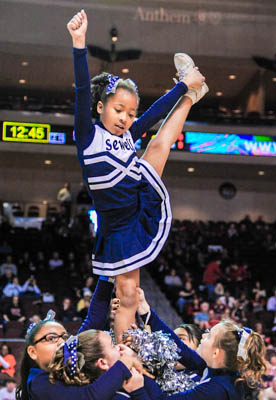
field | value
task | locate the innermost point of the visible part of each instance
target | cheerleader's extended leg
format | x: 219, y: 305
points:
x: 126, y: 291
x: 156, y: 154
x: 158, y: 149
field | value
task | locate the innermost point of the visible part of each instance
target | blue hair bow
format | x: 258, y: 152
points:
x: 243, y: 334
x: 70, y: 350
x: 113, y: 83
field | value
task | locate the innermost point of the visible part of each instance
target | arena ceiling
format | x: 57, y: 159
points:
x: 36, y: 61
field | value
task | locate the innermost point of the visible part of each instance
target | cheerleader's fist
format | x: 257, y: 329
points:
x: 135, y: 382
x: 77, y: 26
x: 143, y: 306
x: 114, y: 307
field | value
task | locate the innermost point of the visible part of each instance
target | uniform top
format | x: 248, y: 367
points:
x: 109, y: 162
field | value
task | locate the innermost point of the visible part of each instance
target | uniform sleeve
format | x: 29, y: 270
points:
x: 157, y: 111
x: 206, y: 391
x: 84, y: 129
x: 99, y: 307
x: 189, y: 357
x: 103, y: 388
x: 139, y: 394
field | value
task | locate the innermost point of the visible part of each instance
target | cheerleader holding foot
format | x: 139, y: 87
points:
x: 132, y: 203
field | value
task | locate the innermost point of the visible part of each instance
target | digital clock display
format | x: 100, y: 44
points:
x: 25, y: 132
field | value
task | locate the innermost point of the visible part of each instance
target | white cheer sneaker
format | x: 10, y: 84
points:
x: 184, y: 64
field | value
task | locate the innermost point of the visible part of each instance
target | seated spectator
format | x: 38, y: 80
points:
x: 84, y: 310
x: 83, y: 197
x: 238, y: 276
x: 13, y: 288
x: 213, y: 319
x: 55, y: 262
x: 8, y: 392
x: 30, y: 288
x: 268, y: 393
x: 185, y: 296
x: 14, y: 311
x: 7, y: 362
x: 211, y: 275
x: 227, y: 314
x: 67, y: 312
x: 6, y: 278
x: 219, y: 307
x: 201, y: 318
x: 87, y: 294
x: 173, y: 280
x: 227, y: 299
x: 258, y: 304
x: 239, y: 312
x: 271, y: 366
x: 34, y: 319
x: 218, y: 290
x: 193, y: 308
x: 271, y: 302
x: 89, y: 284
x: 258, y: 290
x: 259, y: 328
x: 8, y: 265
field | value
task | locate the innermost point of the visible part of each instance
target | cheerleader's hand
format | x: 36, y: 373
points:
x: 143, y: 306
x: 127, y: 338
x: 77, y: 28
x: 115, y: 304
x: 130, y: 359
x: 126, y: 350
x: 135, y: 382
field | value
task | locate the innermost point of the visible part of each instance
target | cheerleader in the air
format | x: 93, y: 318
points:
x: 132, y: 203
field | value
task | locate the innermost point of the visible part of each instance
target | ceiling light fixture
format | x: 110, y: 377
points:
x: 261, y: 173
x: 24, y: 63
x: 48, y: 162
x: 219, y: 93
x: 232, y: 77
x: 191, y: 169
x: 22, y: 81
x: 125, y: 70
x: 114, y: 34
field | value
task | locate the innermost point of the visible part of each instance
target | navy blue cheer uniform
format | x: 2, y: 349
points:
x: 215, y: 383
x: 132, y: 203
x: 105, y: 387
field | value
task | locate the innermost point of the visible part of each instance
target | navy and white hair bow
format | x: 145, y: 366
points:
x: 243, y: 334
x: 70, y: 350
x: 49, y: 317
x: 113, y: 83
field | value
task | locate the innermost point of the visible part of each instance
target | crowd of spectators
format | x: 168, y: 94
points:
x: 208, y: 270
